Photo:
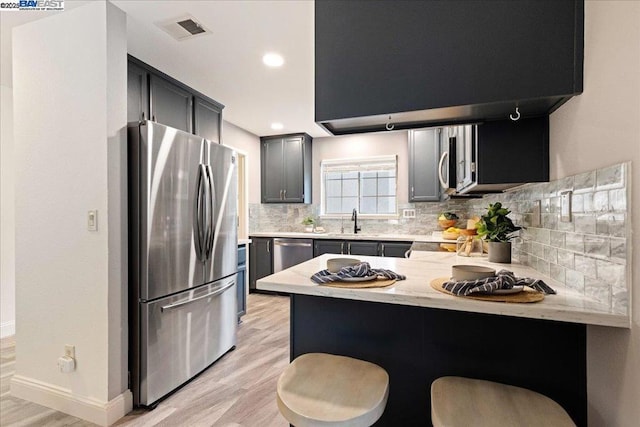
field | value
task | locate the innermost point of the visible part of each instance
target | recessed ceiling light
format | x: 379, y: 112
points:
x: 276, y: 126
x: 272, y: 59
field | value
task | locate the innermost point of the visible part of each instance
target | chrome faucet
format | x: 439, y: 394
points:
x: 354, y: 218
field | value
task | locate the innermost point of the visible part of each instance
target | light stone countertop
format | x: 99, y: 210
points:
x: 244, y: 241
x: 435, y: 237
x: 566, y: 306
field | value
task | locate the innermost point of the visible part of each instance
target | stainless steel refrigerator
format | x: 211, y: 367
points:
x: 183, y: 257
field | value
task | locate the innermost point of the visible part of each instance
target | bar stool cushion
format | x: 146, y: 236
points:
x: 457, y: 401
x: 319, y: 389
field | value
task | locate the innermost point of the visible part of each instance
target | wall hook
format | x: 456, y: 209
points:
x: 389, y: 126
x: 517, y: 116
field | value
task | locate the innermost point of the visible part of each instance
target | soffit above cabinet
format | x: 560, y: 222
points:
x: 433, y: 63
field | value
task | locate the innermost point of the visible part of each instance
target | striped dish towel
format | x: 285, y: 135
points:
x: 359, y: 270
x: 504, y: 279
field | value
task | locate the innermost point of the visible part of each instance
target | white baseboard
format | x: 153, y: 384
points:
x: 61, y: 399
x: 7, y: 329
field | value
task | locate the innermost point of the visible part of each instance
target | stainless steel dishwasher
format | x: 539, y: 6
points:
x: 289, y: 252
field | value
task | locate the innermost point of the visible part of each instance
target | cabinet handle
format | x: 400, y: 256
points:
x: 143, y: 116
x: 382, y: 249
x: 280, y: 194
x: 348, y: 248
x: 153, y: 118
x: 341, y: 248
x: 268, y: 246
x: 285, y: 194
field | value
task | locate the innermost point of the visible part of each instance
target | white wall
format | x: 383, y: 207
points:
x: 241, y: 139
x: 69, y: 91
x: 363, y: 145
x: 7, y: 215
x: 599, y: 128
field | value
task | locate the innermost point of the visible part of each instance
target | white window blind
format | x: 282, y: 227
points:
x: 367, y: 184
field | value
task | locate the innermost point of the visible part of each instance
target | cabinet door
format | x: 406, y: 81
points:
x: 424, y: 153
x: 522, y: 145
x: 170, y: 104
x: 137, y: 93
x: 363, y: 248
x: 206, y: 120
x: 293, y: 179
x: 241, y: 281
x: 321, y: 247
x: 272, y: 170
x: 260, y: 259
x: 394, y: 249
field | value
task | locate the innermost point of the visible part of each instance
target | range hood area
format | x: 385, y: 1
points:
x: 444, y: 116
x: 393, y: 65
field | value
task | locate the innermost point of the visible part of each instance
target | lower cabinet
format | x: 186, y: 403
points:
x: 360, y: 247
x: 241, y: 283
x: 260, y: 259
x: 394, y: 249
x: 363, y: 247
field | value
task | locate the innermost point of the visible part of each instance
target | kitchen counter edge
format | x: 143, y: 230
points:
x: 567, y: 306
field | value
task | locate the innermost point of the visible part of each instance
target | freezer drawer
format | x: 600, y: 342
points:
x: 183, y: 334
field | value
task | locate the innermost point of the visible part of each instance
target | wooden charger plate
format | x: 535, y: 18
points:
x: 527, y: 295
x: 378, y: 283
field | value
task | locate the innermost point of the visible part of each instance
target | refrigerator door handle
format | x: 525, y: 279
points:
x: 211, y: 216
x: 189, y: 301
x: 198, y: 226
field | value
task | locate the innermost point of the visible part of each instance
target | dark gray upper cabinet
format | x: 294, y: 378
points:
x: 153, y: 95
x: 421, y: 61
x: 137, y: 93
x: 507, y: 153
x: 207, y: 118
x: 170, y: 104
x: 286, y: 168
x: 424, y: 151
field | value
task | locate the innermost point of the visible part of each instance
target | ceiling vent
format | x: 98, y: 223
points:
x: 183, y: 28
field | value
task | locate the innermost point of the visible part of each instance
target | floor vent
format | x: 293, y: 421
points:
x: 183, y: 28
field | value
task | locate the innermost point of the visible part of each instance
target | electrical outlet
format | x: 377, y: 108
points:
x: 408, y: 213
x: 565, y: 206
x: 70, y: 351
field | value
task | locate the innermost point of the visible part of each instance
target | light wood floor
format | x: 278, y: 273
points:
x: 237, y: 391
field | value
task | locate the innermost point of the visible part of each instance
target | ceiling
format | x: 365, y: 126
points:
x: 227, y: 65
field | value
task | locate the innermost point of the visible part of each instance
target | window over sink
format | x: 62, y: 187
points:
x: 366, y: 184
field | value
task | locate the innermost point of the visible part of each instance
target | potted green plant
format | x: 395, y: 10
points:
x: 497, y: 229
x: 308, y: 222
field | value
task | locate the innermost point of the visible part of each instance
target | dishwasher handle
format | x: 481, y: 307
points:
x: 279, y: 243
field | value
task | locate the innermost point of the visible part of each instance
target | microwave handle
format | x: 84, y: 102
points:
x: 443, y: 183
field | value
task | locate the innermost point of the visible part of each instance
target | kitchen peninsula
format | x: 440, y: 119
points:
x: 419, y: 334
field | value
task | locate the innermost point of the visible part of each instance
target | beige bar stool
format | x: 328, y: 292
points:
x: 319, y: 389
x: 457, y: 401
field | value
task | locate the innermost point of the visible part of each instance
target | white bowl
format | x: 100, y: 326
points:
x: 335, y: 264
x: 471, y: 272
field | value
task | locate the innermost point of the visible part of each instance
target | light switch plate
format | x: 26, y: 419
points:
x: 536, y: 215
x: 92, y: 220
x: 565, y: 206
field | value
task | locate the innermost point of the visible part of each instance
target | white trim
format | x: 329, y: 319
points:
x: 7, y: 329
x: 63, y: 400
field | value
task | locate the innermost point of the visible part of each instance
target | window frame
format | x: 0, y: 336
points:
x: 393, y: 158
